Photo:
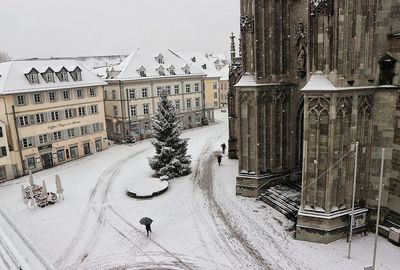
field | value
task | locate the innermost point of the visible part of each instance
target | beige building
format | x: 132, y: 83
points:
x: 51, y: 112
x: 131, y: 95
x: 5, y: 160
x: 224, y: 86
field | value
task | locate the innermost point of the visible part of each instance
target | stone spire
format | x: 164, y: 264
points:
x: 233, y: 50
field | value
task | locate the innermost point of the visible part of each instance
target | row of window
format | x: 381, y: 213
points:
x: 53, y: 96
x: 144, y: 92
x: 56, y: 136
x: 64, y: 154
x: 45, y: 117
x: 133, y: 110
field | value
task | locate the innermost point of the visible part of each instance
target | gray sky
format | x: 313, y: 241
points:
x: 44, y: 28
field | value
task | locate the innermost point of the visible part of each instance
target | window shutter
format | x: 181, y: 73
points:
x: 50, y: 137
x: 101, y: 126
x: 33, y: 141
x: 88, y: 110
x: 31, y: 119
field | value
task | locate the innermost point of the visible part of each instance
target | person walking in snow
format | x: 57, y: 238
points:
x: 148, y: 229
x: 223, y: 146
x: 219, y: 159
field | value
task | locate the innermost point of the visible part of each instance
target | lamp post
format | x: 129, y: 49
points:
x: 353, y: 200
x: 379, y: 208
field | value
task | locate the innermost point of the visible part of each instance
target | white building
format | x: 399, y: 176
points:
x: 133, y: 88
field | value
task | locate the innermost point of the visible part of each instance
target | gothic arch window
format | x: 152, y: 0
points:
x: 317, y: 151
x: 364, y: 127
x: 247, y: 116
x: 264, y: 109
x: 299, y: 134
x: 342, y: 172
x: 281, y: 135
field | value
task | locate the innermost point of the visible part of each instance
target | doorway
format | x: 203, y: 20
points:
x: 47, y: 160
x: 86, y: 148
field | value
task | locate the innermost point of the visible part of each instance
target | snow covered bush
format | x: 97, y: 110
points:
x: 170, y: 158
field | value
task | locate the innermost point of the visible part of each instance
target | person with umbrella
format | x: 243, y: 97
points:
x: 146, y: 222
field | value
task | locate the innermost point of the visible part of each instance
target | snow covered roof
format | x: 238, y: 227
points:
x: 95, y: 62
x: 202, y: 62
x: 248, y: 80
x: 224, y: 73
x: 320, y: 82
x: 147, y: 61
x: 13, y: 75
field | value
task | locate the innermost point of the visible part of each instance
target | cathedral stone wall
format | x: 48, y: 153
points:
x: 317, y: 76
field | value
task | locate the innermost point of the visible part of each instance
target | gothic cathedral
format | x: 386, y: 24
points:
x: 313, y: 79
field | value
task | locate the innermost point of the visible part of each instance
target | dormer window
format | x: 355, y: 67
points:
x: 186, y: 69
x: 161, y: 71
x: 63, y: 75
x: 171, y: 70
x: 160, y: 59
x: 204, y: 66
x: 142, y: 71
x: 76, y: 74
x: 48, y: 75
x: 33, y: 76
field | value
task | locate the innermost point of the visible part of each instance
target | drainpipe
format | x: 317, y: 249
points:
x: 203, y: 86
x: 128, y: 111
x: 18, y: 140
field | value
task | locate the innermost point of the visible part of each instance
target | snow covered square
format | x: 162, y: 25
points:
x: 199, y: 223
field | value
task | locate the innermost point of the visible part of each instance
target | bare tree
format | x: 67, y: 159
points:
x: 4, y: 57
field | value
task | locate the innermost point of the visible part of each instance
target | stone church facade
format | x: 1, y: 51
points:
x: 313, y: 78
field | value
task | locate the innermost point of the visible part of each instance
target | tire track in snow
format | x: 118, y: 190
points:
x: 139, y: 232
x: 203, y: 179
x: 94, y: 213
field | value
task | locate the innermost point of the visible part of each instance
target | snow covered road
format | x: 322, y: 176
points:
x: 199, y: 223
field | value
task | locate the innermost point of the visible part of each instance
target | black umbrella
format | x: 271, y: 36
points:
x: 146, y: 221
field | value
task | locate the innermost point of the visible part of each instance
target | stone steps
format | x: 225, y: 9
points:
x: 283, y: 198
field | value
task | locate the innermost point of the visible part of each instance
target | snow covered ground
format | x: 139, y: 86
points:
x: 199, y: 223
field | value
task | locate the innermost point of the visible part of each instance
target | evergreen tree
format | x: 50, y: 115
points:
x: 170, y: 158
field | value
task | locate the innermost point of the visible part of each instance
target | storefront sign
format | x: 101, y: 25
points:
x: 64, y: 125
x: 45, y: 147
